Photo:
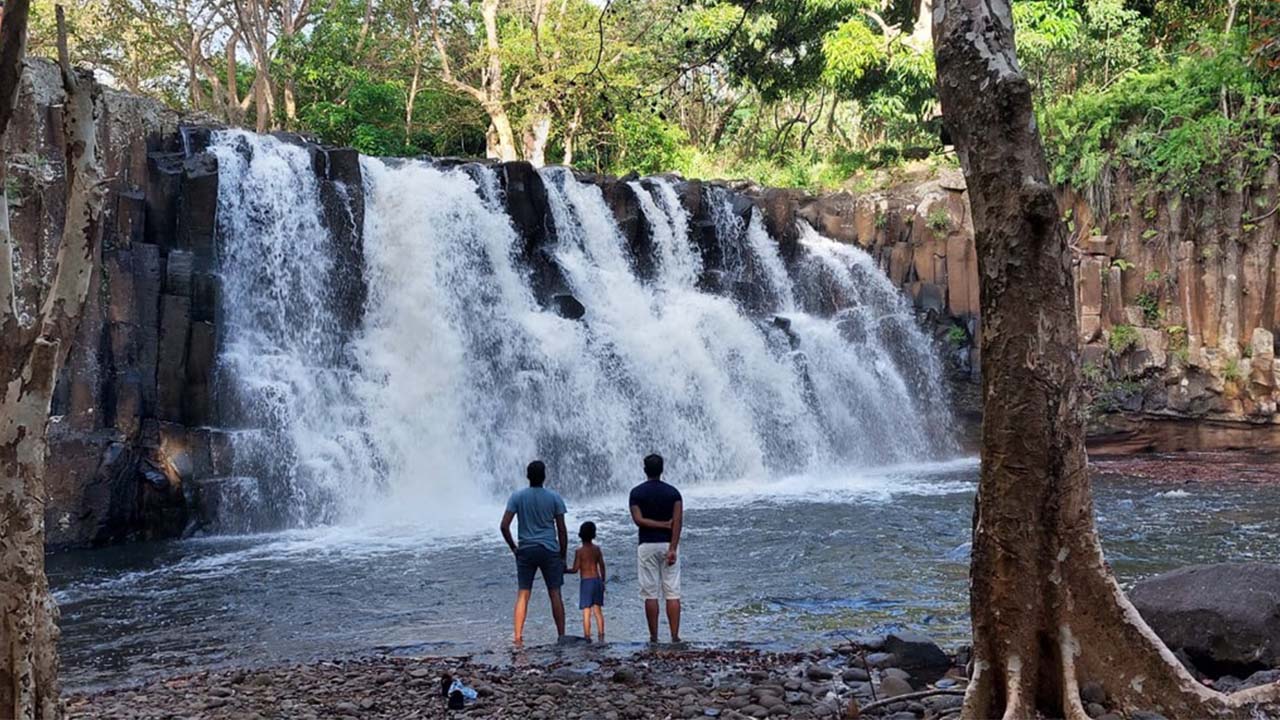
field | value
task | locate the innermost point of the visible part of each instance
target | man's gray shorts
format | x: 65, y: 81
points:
x: 532, y: 558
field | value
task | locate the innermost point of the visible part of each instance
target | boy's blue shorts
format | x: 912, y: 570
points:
x: 590, y: 592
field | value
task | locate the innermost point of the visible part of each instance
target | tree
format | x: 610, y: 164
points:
x: 31, y: 353
x: 1047, y: 613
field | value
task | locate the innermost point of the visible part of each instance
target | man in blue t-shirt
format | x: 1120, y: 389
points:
x: 658, y: 510
x: 543, y: 544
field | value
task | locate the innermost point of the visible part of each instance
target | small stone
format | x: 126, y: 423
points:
x: 893, y: 687
x: 881, y: 659
x: 624, y: 675
x: 940, y: 704
x: 555, y: 690
x: 854, y: 675
x: 346, y: 707
x: 1094, y: 710
x: 895, y: 672
x: 215, y: 703
x: 220, y: 692
x: 1110, y: 716
x: 817, y: 672
x: 1092, y: 692
x: 711, y: 712
x: 420, y: 673
x: 755, y: 711
x: 1145, y: 715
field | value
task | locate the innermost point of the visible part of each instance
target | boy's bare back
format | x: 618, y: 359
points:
x: 588, y: 560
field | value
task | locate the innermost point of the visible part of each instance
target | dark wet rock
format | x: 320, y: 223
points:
x: 567, y: 306
x: 1092, y: 692
x: 1225, y: 617
x: 855, y: 675
x: 918, y: 655
x: 1094, y: 710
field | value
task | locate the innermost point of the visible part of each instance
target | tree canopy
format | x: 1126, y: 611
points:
x: 785, y: 92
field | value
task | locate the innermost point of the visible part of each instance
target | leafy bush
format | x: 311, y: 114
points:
x: 1167, y: 122
x: 1121, y: 338
x: 1150, y: 305
x: 938, y: 220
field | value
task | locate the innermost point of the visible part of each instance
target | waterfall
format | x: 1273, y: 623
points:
x: 457, y: 375
x: 285, y: 376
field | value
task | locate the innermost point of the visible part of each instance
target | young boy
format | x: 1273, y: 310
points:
x: 589, y: 560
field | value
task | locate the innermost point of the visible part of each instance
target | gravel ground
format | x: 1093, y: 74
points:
x: 580, y: 684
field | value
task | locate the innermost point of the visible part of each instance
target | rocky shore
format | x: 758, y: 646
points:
x: 903, y: 677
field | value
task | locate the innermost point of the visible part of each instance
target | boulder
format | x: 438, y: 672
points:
x: 918, y: 655
x: 1225, y: 617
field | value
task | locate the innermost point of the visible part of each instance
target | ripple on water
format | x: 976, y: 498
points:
x: 775, y: 566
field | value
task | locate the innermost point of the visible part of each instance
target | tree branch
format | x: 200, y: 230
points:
x: 13, y: 50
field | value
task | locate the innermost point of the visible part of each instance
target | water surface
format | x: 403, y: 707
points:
x: 796, y: 562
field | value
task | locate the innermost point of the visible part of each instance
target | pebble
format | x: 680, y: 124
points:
x: 893, y: 687
x: 817, y: 672
x: 1092, y: 692
x: 721, y: 683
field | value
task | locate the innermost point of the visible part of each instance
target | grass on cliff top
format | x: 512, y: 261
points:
x: 1168, y: 124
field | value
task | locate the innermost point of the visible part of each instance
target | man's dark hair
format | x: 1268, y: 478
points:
x: 653, y: 466
x: 588, y: 531
x: 537, y: 473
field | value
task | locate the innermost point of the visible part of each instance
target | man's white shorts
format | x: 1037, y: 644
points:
x: 653, y: 572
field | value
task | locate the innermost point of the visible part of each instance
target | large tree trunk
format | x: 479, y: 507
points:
x: 501, y: 138
x: 536, y: 136
x: 28, y: 629
x: 1047, y: 612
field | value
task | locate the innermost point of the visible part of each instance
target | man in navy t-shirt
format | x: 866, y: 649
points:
x: 658, y: 510
x: 543, y: 544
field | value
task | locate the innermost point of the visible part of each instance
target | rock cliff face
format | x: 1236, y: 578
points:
x: 1179, y: 302
x: 1179, y: 298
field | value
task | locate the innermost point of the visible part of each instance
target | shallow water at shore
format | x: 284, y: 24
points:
x: 793, y: 563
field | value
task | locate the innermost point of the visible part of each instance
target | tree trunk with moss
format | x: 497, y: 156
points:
x: 1047, y: 612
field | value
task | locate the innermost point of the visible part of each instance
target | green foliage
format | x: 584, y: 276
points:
x: 1121, y: 338
x: 647, y: 144
x: 1231, y: 371
x: 1166, y: 122
x: 957, y: 336
x: 938, y: 220
x: 1150, y: 305
x: 1152, y: 276
x: 1122, y: 265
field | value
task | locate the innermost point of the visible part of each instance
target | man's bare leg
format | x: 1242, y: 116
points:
x: 651, y: 615
x: 673, y: 620
x: 557, y: 610
x: 522, y: 609
x: 586, y: 623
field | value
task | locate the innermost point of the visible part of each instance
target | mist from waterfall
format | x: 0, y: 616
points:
x: 457, y: 376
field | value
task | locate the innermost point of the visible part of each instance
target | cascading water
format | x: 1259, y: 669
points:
x: 458, y: 375
x: 285, y: 372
